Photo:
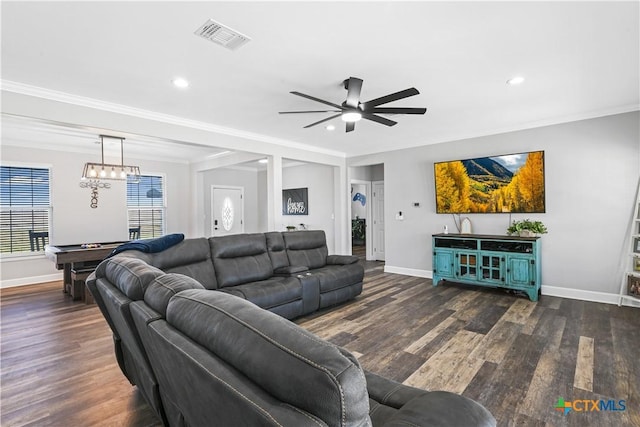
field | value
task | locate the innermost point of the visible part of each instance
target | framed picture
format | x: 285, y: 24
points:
x: 636, y: 263
x: 636, y: 245
x: 633, y: 286
x: 295, y: 201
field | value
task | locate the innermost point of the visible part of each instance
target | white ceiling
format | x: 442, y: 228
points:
x: 579, y: 59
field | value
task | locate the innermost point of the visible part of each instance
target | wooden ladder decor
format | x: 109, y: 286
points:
x: 630, y: 285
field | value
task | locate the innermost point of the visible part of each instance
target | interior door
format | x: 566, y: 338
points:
x: 378, y: 220
x: 227, y: 210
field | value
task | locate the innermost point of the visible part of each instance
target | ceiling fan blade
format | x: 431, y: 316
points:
x: 351, y: 126
x: 378, y: 119
x: 322, y: 121
x: 315, y: 111
x: 354, y: 86
x: 313, y: 98
x: 397, y: 110
x: 389, y: 98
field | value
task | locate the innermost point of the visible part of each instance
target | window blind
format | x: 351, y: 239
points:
x: 146, y: 205
x: 24, y: 206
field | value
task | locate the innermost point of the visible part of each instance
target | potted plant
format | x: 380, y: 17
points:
x: 527, y: 228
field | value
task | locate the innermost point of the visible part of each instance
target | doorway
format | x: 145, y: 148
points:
x: 377, y: 201
x: 227, y: 210
x: 360, y: 217
x: 366, y: 210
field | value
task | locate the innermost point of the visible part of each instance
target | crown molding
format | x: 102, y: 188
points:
x: 53, y: 95
x: 451, y: 137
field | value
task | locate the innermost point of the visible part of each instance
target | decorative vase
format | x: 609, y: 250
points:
x: 527, y: 233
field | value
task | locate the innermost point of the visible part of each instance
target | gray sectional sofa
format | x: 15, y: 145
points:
x: 201, y: 329
x: 290, y: 273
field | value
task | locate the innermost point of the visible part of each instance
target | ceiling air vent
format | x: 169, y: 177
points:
x: 222, y: 35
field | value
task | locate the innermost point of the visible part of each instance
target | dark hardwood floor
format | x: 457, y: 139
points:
x: 514, y: 356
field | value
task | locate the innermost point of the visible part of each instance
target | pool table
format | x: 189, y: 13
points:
x: 75, y: 258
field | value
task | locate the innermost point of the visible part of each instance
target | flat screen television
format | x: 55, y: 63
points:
x: 497, y: 184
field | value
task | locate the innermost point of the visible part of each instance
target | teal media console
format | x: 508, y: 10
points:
x: 487, y: 260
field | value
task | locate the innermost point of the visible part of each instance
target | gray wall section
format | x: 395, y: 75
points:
x: 368, y: 173
x: 377, y: 172
x: 319, y: 180
x: 591, y: 169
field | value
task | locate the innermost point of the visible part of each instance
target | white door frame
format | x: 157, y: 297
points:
x: 226, y: 187
x: 368, y: 235
x: 373, y: 183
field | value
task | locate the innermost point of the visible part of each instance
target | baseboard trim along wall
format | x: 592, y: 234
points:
x: 30, y: 280
x: 427, y: 274
x: 583, y: 295
x: 553, y: 291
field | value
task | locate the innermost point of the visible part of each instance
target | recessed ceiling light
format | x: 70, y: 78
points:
x: 180, y: 82
x: 515, y: 80
x: 263, y: 161
x: 330, y: 127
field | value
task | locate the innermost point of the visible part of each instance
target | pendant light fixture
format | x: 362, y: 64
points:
x: 102, y: 170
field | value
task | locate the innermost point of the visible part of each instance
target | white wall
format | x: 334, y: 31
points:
x: 362, y: 173
x: 74, y: 221
x: 591, y: 169
x: 319, y: 179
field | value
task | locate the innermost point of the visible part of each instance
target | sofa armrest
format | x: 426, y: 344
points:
x: 388, y: 392
x: 441, y: 408
x: 341, y: 259
x: 290, y: 270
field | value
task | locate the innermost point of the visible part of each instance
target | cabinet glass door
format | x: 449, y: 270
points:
x: 467, y: 265
x: 492, y: 268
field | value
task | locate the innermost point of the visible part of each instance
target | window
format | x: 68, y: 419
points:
x: 146, y: 206
x: 25, y: 208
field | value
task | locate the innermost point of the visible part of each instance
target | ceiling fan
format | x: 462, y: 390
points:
x: 353, y: 110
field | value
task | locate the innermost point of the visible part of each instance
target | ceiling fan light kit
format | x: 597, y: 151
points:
x: 352, y: 110
x: 350, y: 116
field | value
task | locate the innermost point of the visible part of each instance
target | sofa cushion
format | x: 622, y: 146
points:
x: 276, y: 249
x: 342, y: 259
x: 191, y: 257
x: 435, y: 409
x: 130, y: 275
x: 269, y: 293
x: 288, y: 362
x: 336, y: 277
x: 240, y: 258
x: 160, y: 291
x: 290, y: 270
x: 307, y: 248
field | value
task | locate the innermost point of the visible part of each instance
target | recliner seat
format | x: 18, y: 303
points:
x: 243, y: 366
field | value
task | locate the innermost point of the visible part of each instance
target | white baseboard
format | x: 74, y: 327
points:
x: 408, y: 271
x: 30, y: 280
x: 593, y: 296
x: 554, y: 291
